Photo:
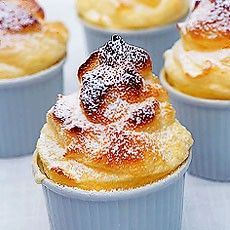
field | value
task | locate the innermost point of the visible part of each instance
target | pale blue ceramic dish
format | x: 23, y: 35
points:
x: 156, y: 206
x: 24, y: 103
x: 209, y: 123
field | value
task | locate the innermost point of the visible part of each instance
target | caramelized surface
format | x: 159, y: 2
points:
x: 208, y: 26
x: 15, y: 18
x: 121, y: 127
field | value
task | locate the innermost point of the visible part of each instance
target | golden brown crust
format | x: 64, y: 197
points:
x: 208, y: 26
x: 125, y: 82
x: 118, y: 129
x: 118, y: 75
x: 72, y: 172
x: 20, y: 15
x: 28, y: 43
x: 31, y: 6
x: 58, y: 175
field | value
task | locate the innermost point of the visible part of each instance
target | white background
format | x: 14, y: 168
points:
x: 206, y: 204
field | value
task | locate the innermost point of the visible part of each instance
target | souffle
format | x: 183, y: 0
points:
x: 199, y: 63
x: 119, y: 131
x: 132, y: 14
x: 28, y: 44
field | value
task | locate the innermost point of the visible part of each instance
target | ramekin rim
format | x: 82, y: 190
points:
x: 118, y: 195
x: 191, y: 99
x: 28, y: 78
x: 130, y: 31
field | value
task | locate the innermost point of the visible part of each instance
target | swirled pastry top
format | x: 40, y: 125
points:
x: 132, y: 14
x: 28, y: 44
x: 120, y: 132
x: 199, y: 64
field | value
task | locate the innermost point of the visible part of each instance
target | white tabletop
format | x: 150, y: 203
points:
x: 22, y: 207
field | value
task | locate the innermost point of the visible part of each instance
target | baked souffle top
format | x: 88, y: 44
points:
x: 119, y: 132
x: 132, y: 14
x: 199, y: 63
x: 28, y: 44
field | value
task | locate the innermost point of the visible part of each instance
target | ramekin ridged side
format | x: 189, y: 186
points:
x: 156, y: 206
x: 156, y: 41
x: 209, y: 122
x: 24, y: 103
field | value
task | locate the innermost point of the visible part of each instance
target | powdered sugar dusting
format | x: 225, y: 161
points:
x: 117, y: 74
x: 118, y: 53
x: 13, y: 18
x: 67, y: 110
x: 109, y: 121
x: 120, y: 128
x: 53, y: 155
x: 211, y: 17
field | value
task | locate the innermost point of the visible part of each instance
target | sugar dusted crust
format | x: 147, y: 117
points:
x: 27, y: 39
x: 208, y: 26
x: 120, y: 132
x: 20, y: 16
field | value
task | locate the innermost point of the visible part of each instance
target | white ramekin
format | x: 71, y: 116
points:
x: 156, y: 206
x: 24, y: 103
x: 156, y: 41
x: 209, y: 122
